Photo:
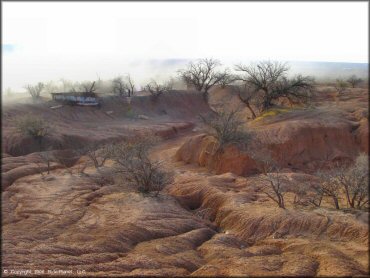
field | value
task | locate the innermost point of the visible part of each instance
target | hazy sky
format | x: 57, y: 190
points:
x: 44, y: 41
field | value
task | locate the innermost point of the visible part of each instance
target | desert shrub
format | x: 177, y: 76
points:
x: 350, y: 180
x: 123, y: 86
x: 98, y: 155
x: 341, y: 86
x: 132, y: 162
x: 46, y: 157
x: 157, y: 89
x: 227, y: 128
x: 35, y: 90
x: 354, y: 80
x: 354, y: 180
x: 277, y: 183
x: 33, y: 126
x: 330, y: 185
x: 101, y: 178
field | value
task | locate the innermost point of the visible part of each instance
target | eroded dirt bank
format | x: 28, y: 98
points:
x: 299, y: 139
x: 201, y: 225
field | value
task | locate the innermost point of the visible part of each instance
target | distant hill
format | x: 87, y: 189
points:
x: 330, y: 70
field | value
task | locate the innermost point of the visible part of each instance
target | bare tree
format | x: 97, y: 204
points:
x: 47, y: 158
x: 35, y: 127
x: 130, y: 85
x: 277, y: 182
x: 354, y: 80
x: 341, y: 86
x: 132, y: 162
x: 354, y: 180
x: 35, y: 91
x: 269, y: 79
x: 297, y: 89
x: 315, y: 198
x: 247, y: 95
x: 118, y: 86
x: 330, y: 185
x: 88, y: 87
x: 98, y: 155
x: 157, y: 89
x: 227, y: 128
x: 123, y: 86
x: 203, y: 75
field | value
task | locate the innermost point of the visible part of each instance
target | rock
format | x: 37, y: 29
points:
x: 143, y: 117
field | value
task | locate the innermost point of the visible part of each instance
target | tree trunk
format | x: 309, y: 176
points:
x: 335, y: 199
x: 246, y: 102
x: 205, y: 96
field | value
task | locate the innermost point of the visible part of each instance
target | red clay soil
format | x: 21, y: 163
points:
x: 74, y: 126
x: 301, y: 139
x: 200, y: 225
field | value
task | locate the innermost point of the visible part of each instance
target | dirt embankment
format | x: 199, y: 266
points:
x: 301, y: 139
x: 74, y: 126
x: 294, y: 145
x: 201, y: 225
x: 274, y: 241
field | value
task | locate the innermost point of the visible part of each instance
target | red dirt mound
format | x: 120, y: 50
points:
x: 301, y: 140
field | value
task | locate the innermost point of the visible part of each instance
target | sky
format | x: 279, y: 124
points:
x: 86, y: 40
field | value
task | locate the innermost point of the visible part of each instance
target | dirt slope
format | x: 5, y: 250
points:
x: 201, y: 225
x: 74, y: 126
x: 300, y: 139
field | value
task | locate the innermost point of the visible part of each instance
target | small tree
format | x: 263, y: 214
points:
x: 123, y: 86
x: 227, y: 128
x: 341, y: 86
x: 130, y: 86
x: 47, y: 158
x: 330, y: 185
x: 354, y: 80
x: 203, y: 75
x: 277, y: 183
x: 354, y: 180
x: 132, y: 162
x: 35, y: 127
x: 315, y: 198
x: 269, y: 80
x: 98, y: 156
x: 156, y: 89
x: 88, y: 87
x: 35, y: 91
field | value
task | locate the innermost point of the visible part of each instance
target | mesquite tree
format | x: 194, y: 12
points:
x: 157, y: 89
x: 203, y: 75
x: 35, y: 90
x: 269, y: 81
x: 354, y: 80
